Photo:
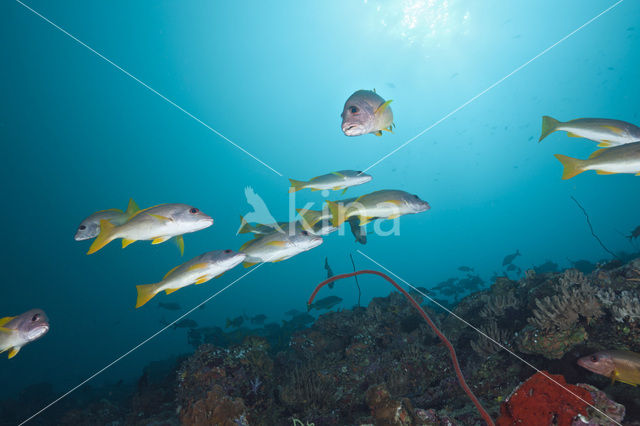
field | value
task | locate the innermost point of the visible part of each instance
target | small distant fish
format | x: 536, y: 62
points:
x: 198, y: 270
x: 326, y: 303
x: 300, y: 320
x: 169, y: 306
x: 510, y: 258
x: 583, y: 266
x: 465, y: 269
x: 258, y: 319
x: 359, y: 232
x: 278, y: 246
x: 15, y: 332
x: 90, y: 227
x: 235, y: 323
x: 366, y: 112
x: 185, y: 323
x: 292, y: 313
x: 619, y: 159
x: 329, y: 271
x: 335, y: 181
x: 607, y: 132
x: 623, y: 366
x: 634, y: 234
x: 385, y: 204
x: 391, y: 85
x: 158, y: 224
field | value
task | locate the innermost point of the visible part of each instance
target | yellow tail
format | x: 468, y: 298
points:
x: 245, y: 226
x: 572, y: 166
x: 132, y: 209
x: 338, y: 213
x: 145, y: 293
x: 296, y: 185
x: 104, y: 237
x: 549, y: 125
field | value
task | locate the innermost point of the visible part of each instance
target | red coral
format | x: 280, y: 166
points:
x: 541, y: 402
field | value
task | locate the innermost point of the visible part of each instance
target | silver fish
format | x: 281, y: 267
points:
x: 335, y: 181
x: 606, y: 161
x: 15, y: 332
x: 278, y: 246
x: 606, y: 131
x: 366, y: 112
x: 90, y: 227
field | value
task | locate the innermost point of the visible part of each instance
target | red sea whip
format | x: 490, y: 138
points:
x: 442, y: 337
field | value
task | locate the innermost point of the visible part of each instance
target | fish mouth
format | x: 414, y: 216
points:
x: 351, y: 129
x: 37, y: 332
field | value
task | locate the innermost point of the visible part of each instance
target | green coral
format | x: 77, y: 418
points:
x: 550, y: 344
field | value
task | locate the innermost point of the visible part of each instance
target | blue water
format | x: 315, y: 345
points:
x: 78, y: 135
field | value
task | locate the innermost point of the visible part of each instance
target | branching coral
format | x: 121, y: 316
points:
x: 485, y: 347
x: 496, y: 305
x: 576, y: 298
x: 623, y: 306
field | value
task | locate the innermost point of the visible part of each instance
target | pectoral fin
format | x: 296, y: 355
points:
x: 249, y: 264
x: 277, y: 243
x: 158, y: 240
x: 198, y: 266
x: 614, y: 129
x: 603, y: 172
x: 382, y: 107
x: 160, y: 217
x: 364, y: 220
x: 14, y: 351
x: 180, y: 244
x: 202, y: 279
x: 126, y: 242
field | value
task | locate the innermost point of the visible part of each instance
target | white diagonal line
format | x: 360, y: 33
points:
x: 482, y: 333
x: 493, y: 85
x: 148, y: 87
x: 136, y: 347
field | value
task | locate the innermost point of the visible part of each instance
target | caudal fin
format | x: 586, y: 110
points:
x: 572, y: 166
x: 132, y: 209
x: 549, y: 125
x: 338, y: 213
x: 245, y: 226
x: 296, y: 185
x: 145, y: 293
x: 104, y: 237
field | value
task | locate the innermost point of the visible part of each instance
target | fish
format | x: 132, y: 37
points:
x: 300, y: 320
x: 634, y: 234
x: 285, y: 227
x: 359, y: 232
x: 198, y: 270
x: 258, y: 319
x: 605, y: 161
x: 15, y: 332
x: 235, y: 323
x: 510, y: 258
x: 603, y: 130
x: 90, y: 227
x: 385, y: 204
x: 325, y: 303
x: 185, y: 323
x: 618, y: 365
x: 465, y: 268
x: 169, y: 306
x: 278, y: 246
x: 335, y: 181
x: 366, y: 112
x: 157, y: 224
x: 329, y: 271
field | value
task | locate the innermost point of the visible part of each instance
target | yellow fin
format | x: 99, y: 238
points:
x: 249, y: 264
x: 344, y: 190
x: 126, y: 242
x: 549, y: 125
x: 604, y: 144
x: 394, y: 216
x: 170, y: 272
x: 104, y: 237
x: 338, y: 213
x: 572, y: 166
x: 5, y: 320
x: 310, y: 217
x: 388, y: 129
x: 202, y: 279
x: 614, y: 129
x: 245, y: 226
x: 277, y: 243
x: 14, y: 351
x: 573, y: 135
x: 198, y: 266
x: 180, y: 244
x: 132, y: 209
x: 296, y: 185
x: 314, y: 189
x: 596, y: 153
x: 159, y: 240
x: 278, y: 260
x: 145, y: 293
x: 396, y: 202
x: 160, y: 217
x: 170, y: 290
x: 219, y: 275
x: 604, y: 172
x: 6, y: 330
x: 378, y: 133
x: 364, y: 220
x: 382, y: 107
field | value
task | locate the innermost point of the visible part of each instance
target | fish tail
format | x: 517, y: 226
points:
x: 105, y: 236
x: 244, y: 226
x: 549, y: 125
x: 296, y: 185
x: 145, y: 293
x: 572, y: 166
x: 132, y: 209
x: 338, y: 213
x: 309, y: 217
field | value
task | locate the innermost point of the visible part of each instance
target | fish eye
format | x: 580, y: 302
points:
x: 82, y: 227
x: 359, y: 172
x: 416, y: 197
x: 594, y: 358
x: 305, y: 233
x: 227, y: 251
x: 35, y: 318
x: 353, y: 109
x: 193, y: 210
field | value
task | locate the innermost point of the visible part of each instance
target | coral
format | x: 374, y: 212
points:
x: 386, y: 410
x: 485, y: 347
x: 576, y: 298
x: 541, y: 402
x: 623, y: 306
x: 606, y: 411
x: 216, y: 409
x: 550, y: 344
x: 496, y: 305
